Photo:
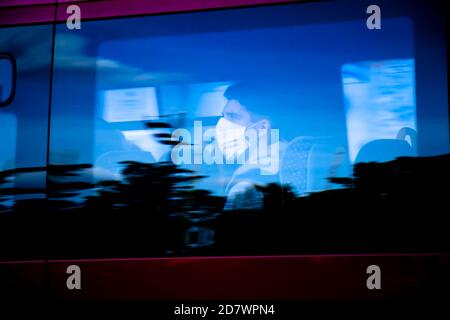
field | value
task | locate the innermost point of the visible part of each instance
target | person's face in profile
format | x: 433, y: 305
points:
x: 239, y: 130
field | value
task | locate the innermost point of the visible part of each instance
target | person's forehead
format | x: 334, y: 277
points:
x: 233, y: 106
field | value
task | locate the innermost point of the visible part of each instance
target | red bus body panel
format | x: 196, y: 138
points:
x: 19, y: 12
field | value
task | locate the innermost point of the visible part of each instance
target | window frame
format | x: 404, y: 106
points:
x: 12, y: 60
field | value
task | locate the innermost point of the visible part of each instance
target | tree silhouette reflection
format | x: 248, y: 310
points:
x: 397, y: 206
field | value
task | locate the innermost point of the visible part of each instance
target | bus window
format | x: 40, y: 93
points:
x: 233, y: 134
x: 25, y: 86
x: 7, y: 79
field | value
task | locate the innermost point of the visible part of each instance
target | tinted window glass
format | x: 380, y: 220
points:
x: 248, y: 131
x: 23, y: 140
x: 7, y: 79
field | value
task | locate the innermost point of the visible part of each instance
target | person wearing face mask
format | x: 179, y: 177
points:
x: 247, y: 140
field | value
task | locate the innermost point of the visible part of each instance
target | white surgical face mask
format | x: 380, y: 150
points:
x: 231, y: 139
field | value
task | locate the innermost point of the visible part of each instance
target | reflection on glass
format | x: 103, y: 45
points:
x: 190, y: 139
x: 380, y: 104
x: 6, y: 78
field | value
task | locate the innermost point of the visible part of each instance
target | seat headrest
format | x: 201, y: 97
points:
x: 384, y: 150
x: 306, y: 164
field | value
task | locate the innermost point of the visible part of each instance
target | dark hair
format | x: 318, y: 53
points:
x: 258, y: 99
